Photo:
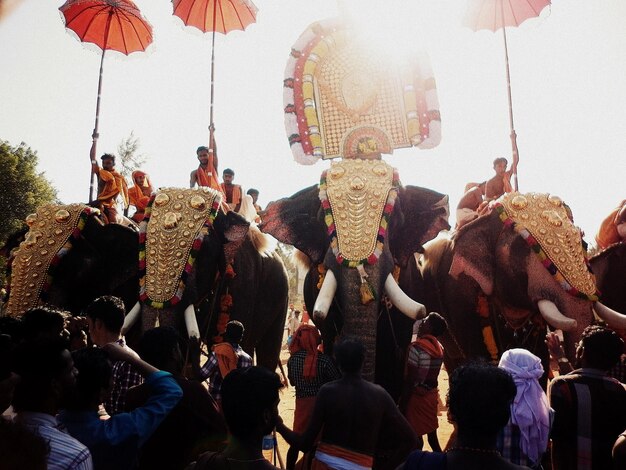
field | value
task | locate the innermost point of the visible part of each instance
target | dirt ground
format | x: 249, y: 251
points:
x: 288, y: 400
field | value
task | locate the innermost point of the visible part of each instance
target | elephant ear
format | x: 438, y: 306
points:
x: 298, y: 220
x: 418, y: 216
x: 474, y: 248
x: 233, y: 229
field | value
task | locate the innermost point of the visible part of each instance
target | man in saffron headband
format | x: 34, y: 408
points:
x: 308, y: 369
x: 139, y: 194
x: 111, y: 186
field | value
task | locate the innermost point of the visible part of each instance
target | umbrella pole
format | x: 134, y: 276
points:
x: 95, y: 134
x: 211, y: 126
x: 508, y: 86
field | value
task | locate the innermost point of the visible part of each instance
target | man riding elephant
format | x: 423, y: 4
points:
x: 613, y: 228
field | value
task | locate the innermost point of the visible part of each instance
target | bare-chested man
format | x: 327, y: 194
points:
x: 206, y: 173
x: 469, y: 205
x: 354, y: 417
x: 501, y: 182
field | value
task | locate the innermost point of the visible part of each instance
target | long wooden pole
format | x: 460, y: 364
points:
x: 95, y: 135
x: 513, y: 135
x: 211, y: 126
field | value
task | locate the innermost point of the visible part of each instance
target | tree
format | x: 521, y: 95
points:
x: 129, y: 159
x: 22, y: 189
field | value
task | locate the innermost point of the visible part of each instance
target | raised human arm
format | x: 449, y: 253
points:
x: 118, y: 353
x: 193, y: 179
x: 556, y: 351
x: 92, y: 155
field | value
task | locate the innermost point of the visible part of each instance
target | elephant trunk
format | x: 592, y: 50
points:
x: 552, y: 315
x: 612, y: 318
x: 325, y: 297
x: 403, y: 302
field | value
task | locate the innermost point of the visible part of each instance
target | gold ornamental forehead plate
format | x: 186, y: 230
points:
x: 161, y: 199
x: 31, y: 219
x: 62, y: 215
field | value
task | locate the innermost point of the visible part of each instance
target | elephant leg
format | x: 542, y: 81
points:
x: 149, y: 317
x: 268, y: 348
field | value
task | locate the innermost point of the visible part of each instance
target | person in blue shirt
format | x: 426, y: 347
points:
x: 114, y: 443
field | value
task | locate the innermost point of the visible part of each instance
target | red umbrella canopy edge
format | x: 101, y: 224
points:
x: 128, y: 30
x: 493, y: 14
x: 230, y: 15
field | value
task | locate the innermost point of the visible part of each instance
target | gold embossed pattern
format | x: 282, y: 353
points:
x: 357, y: 192
x: 176, y: 220
x: 50, y: 229
x: 545, y: 217
x: 355, y: 93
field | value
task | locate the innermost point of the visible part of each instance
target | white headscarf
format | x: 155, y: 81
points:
x: 530, y: 410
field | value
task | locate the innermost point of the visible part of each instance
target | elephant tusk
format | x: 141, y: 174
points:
x: 191, y: 323
x: 612, y: 318
x: 131, y: 318
x: 403, y: 302
x: 325, y: 297
x: 554, y: 317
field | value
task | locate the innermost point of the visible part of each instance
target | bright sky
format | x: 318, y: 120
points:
x: 567, y: 71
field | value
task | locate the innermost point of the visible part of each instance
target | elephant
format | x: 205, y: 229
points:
x: 98, y: 260
x: 609, y: 267
x: 498, y: 289
x: 224, y: 247
x: 331, y: 289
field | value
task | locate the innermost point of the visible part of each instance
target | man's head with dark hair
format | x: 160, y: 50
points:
x: 234, y: 331
x: 161, y: 348
x: 434, y: 324
x: 108, y: 161
x: 479, y: 399
x: 252, y: 192
x: 47, y: 374
x: 250, y: 400
x: 40, y: 322
x: 228, y: 171
x: 105, y: 313
x: 350, y: 354
x: 13, y: 327
x: 599, y: 348
x: 94, y: 378
x: 500, y: 160
x: 202, y: 148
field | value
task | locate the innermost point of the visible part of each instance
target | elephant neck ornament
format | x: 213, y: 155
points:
x: 171, y: 233
x: 544, y: 223
x: 49, y: 238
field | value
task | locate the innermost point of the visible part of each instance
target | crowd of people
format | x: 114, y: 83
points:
x: 76, y: 402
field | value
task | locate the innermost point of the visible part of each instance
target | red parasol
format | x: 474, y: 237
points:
x: 221, y: 16
x: 115, y: 25
x: 498, y: 14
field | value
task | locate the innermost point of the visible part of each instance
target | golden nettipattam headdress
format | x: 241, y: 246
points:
x: 343, y: 100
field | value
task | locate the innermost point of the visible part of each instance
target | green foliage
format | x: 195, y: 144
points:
x: 22, y: 189
x: 129, y: 159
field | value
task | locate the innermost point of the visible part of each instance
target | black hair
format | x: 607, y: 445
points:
x: 246, y: 394
x: 234, y: 331
x: 201, y: 148
x: 94, y: 374
x: 157, y: 346
x: 602, y: 347
x: 13, y: 327
x: 480, y: 397
x: 108, y: 156
x: 228, y: 171
x: 500, y: 160
x: 252, y: 191
x: 438, y: 324
x: 38, y: 362
x: 109, y: 310
x: 350, y: 354
x: 41, y: 321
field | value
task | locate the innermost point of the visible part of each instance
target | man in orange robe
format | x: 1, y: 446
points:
x: 232, y: 191
x: 613, y: 227
x: 139, y: 194
x: 111, y: 187
x: 206, y: 173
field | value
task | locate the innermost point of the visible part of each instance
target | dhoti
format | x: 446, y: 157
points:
x: 329, y: 456
x: 421, y: 410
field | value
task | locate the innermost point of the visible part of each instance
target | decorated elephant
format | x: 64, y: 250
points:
x: 499, y: 280
x: 68, y: 257
x: 351, y: 214
x: 198, y: 262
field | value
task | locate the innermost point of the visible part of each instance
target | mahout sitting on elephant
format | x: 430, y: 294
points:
x: 609, y: 267
x: 199, y: 262
x: 500, y: 279
x: 351, y: 296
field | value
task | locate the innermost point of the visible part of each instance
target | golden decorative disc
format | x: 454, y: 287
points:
x: 55, y: 224
x: 357, y: 191
x: 546, y: 218
x: 176, y: 219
